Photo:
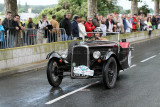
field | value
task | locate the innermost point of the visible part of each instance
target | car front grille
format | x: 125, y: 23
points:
x: 80, y: 56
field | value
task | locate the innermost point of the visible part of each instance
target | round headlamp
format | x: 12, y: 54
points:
x: 64, y: 56
x: 96, y: 54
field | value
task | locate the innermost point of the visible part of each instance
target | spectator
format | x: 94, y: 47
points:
x: 159, y: 25
x: 100, y: 19
x: 7, y: 26
x: 75, y: 29
x: 82, y: 30
x: 114, y: 25
x: 66, y: 24
x: 118, y: 21
x: 41, y: 33
x: 150, y: 28
x: 7, y: 22
x: 31, y: 32
x: 146, y: 24
x: 55, y: 32
x: 95, y: 21
x: 157, y: 21
x: 89, y: 27
x: 22, y: 40
x: 103, y: 27
x: 1, y: 36
x: 134, y: 23
x: 13, y: 35
x: 129, y: 25
x: 154, y: 22
x: 124, y: 22
x: 142, y: 24
x: 109, y: 24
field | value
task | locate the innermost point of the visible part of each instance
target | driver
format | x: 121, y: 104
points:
x: 98, y: 34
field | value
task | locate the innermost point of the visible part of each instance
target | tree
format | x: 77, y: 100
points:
x: 144, y: 10
x: 92, y: 7
x: 11, y: 5
x: 134, y: 7
x: 156, y: 7
x: 105, y: 7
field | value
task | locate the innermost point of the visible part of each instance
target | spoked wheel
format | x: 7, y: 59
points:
x: 110, y: 73
x: 54, y: 76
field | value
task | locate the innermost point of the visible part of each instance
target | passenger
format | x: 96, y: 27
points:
x: 98, y: 35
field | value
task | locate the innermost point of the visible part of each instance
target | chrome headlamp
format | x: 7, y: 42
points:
x: 96, y: 54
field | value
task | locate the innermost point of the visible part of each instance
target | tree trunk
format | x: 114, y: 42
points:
x: 134, y: 7
x: 92, y: 7
x: 11, y: 6
x: 156, y: 7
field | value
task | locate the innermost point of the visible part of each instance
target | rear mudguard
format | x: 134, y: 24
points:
x: 112, y: 54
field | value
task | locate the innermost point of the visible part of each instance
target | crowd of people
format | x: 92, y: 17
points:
x: 67, y: 29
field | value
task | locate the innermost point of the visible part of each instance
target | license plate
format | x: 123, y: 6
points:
x: 82, y: 71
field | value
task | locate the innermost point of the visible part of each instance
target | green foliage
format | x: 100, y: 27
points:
x: 105, y: 7
x: 80, y: 7
x: 24, y: 8
x: 145, y: 9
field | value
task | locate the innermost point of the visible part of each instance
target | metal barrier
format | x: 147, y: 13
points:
x: 13, y: 38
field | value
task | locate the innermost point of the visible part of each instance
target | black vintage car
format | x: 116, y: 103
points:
x: 91, y: 59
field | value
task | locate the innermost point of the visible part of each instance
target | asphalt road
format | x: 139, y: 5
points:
x: 138, y: 86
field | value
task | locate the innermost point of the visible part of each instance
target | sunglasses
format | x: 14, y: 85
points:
x: 89, y: 20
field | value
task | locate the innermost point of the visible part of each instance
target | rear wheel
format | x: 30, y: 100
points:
x: 110, y: 73
x: 53, y: 75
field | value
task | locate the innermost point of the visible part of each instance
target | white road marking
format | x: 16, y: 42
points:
x: 132, y: 57
x: 70, y: 93
x: 129, y: 68
x: 133, y: 66
x: 148, y: 58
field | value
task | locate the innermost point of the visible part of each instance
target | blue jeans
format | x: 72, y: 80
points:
x: 63, y: 37
x: 11, y: 41
x: 68, y: 37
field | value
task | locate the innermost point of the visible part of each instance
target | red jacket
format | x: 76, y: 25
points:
x: 134, y: 22
x: 89, y: 28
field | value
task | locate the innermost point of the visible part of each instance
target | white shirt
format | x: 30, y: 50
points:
x: 104, y: 28
x: 42, y: 25
x: 110, y: 29
x: 82, y: 30
x: 158, y: 26
x: 147, y: 26
x: 129, y: 24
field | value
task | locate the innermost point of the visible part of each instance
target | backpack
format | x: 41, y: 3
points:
x: 37, y: 25
x: 47, y: 33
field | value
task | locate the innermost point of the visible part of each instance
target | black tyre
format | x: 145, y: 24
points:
x: 53, y: 75
x: 72, y: 44
x: 110, y: 73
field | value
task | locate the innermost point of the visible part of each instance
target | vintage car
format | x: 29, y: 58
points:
x: 90, y: 59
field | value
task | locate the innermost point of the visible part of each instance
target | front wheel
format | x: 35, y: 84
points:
x: 110, y: 73
x: 53, y: 75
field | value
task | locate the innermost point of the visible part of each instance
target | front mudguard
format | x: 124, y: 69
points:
x: 53, y: 54
x: 57, y: 57
x: 112, y: 54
